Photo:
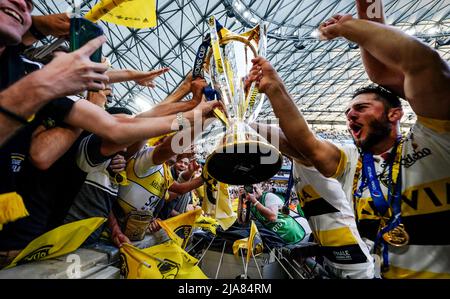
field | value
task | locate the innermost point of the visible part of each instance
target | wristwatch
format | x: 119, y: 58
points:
x: 180, y: 120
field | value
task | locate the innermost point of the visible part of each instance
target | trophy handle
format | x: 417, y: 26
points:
x: 224, y: 41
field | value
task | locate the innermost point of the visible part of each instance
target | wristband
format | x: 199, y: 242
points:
x: 14, y: 116
x: 180, y: 120
x: 36, y: 33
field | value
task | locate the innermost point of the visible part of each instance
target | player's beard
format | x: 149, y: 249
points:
x: 379, y: 129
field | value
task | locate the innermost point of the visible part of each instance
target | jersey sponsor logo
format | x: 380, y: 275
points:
x: 342, y: 255
x: 410, y: 159
x: 151, y: 203
x: 158, y: 185
x: 308, y: 194
x: 428, y: 198
x: 16, y: 162
x: 37, y: 254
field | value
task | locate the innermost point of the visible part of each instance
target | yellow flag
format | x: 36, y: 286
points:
x: 59, y: 241
x: 179, y: 228
x: 12, y: 208
x: 255, y: 244
x: 251, y: 244
x: 166, y: 261
x: 241, y: 243
x: 136, y: 263
x: 217, y: 202
x: 129, y: 13
x: 207, y: 224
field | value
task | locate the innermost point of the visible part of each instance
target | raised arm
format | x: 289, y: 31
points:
x: 140, y: 77
x: 128, y: 130
x: 57, y: 25
x: 427, y: 75
x: 323, y: 155
x: 171, y: 107
x: 377, y: 71
x: 48, y: 145
x: 274, y: 132
x: 182, y: 90
x: 182, y: 188
x: 67, y: 74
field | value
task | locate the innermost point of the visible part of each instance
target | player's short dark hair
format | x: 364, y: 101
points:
x: 382, y: 94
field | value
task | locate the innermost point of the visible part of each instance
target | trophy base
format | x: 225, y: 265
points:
x: 235, y: 164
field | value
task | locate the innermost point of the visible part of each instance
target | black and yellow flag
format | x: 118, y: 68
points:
x: 207, y: 224
x: 164, y: 261
x: 179, y: 228
x: 59, y: 241
x: 217, y: 202
x: 253, y: 244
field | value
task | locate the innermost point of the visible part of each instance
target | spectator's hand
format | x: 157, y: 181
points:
x: 193, y: 166
x: 119, y: 238
x: 264, y: 75
x: 258, y: 191
x: 154, y: 226
x: 331, y: 29
x: 198, y: 172
x: 57, y: 25
x: 71, y: 73
x: 197, y: 86
x: 205, y: 108
x: 148, y: 77
x: 251, y: 197
x: 118, y: 164
x: 241, y: 191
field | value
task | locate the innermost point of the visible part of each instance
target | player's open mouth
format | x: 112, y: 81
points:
x: 356, y: 129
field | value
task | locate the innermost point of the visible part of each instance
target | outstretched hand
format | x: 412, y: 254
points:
x: 118, y: 237
x: 71, y: 73
x: 197, y: 86
x: 331, y: 28
x: 264, y: 75
x: 147, y: 78
x: 118, y: 163
x: 205, y: 109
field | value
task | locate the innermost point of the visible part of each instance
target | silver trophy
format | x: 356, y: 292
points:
x: 241, y: 155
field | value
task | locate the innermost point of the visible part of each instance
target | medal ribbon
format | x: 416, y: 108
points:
x: 369, y: 179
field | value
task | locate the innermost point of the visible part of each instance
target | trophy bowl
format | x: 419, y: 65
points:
x: 241, y: 156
